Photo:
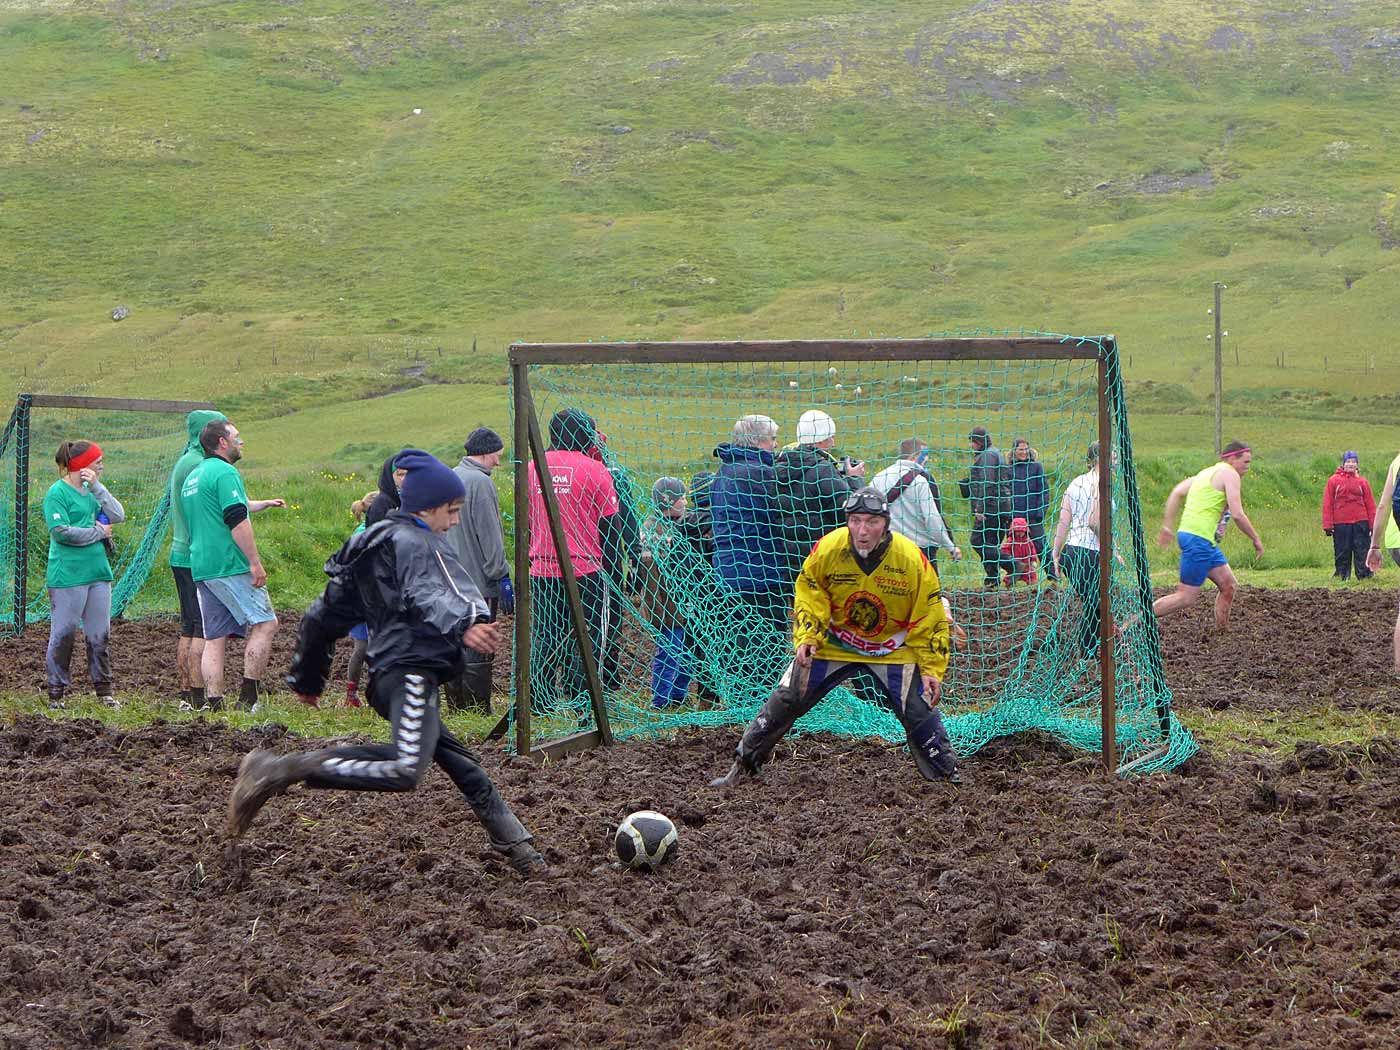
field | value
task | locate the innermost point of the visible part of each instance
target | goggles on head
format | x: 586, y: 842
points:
x: 866, y: 501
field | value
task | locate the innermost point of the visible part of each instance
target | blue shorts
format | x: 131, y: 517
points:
x: 229, y: 604
x: 1198, y: 557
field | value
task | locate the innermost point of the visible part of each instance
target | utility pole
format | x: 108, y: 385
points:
x: 1219, y: 377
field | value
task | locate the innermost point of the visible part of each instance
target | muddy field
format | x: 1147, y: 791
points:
x: 1288, y: 650
x: 843, y: 902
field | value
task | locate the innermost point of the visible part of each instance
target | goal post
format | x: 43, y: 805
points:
x: 1039, y: 655
x: 140, y: 438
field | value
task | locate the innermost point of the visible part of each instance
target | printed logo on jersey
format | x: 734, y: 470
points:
x: 563, y: 478
x: 866, y: 613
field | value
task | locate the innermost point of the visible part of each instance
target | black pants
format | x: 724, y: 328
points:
x: 555, y: 662
x: 1349, y: 546
x: 898, y: 685
x: 1081, y: 567
x: 409, y: 701
x: 472, y: 690
x: 987, y: 535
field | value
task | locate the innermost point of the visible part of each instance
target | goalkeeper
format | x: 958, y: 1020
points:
x: 867, y: 604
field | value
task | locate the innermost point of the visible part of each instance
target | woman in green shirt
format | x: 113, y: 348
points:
x: 80, y: 513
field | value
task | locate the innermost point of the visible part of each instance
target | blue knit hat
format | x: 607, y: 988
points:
x: 1349, y: 454
x: 429, y: 482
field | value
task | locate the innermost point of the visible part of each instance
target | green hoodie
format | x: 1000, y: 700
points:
x: 193, y: 457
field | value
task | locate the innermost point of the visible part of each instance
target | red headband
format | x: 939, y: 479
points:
x: 86, y: 458
x: 1236, y: 452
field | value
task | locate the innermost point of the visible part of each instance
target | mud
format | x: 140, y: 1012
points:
x: 842, y: 902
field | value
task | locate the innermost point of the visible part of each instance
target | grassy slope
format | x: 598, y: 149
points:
x: 250, y: 179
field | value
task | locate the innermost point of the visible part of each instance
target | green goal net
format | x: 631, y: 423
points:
x: 140, y: 442
x: 688, y: 603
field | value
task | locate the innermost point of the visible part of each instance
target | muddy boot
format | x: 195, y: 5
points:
x: 738, y: 773
x: 262, y: 776
x: 526, y: 860
x: 943, y: 769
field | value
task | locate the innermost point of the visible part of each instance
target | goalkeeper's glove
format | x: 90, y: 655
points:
x: 507, y: 595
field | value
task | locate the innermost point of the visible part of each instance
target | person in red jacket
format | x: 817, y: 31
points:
x: 1020, y: 548
x: 1348, y: 508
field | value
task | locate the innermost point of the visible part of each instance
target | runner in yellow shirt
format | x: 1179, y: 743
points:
x: 1212, y: 500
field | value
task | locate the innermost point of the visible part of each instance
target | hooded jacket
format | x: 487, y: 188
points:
x: 478, y: 540
x: 404, y: 583
x: 387, y: 498
x: 1347, y: 500
x: 192, y: 457
x: 750, y: 554
x: 811, y: 493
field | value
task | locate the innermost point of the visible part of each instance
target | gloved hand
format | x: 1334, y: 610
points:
x: 507, y: 595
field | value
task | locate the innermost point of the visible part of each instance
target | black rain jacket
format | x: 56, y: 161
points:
x: 812, y: 493
x: 407, y: 586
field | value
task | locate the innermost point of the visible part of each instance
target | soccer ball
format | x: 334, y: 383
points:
x: 645, y: 840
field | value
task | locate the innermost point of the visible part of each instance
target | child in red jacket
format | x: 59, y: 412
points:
x: 1020, y: 548
x: 1348, y: 508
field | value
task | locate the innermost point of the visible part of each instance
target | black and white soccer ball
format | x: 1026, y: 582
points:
x: 645, y: 840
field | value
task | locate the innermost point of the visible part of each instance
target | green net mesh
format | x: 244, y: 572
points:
x: 690, y: 612
x: 139, y: 449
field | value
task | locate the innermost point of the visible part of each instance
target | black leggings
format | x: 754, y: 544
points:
x: 1081, y: 565
x: 409, y: 701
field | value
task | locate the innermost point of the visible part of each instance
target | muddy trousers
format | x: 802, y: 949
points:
x: 800, y: 690
x: 91, y: 605
x: 1349, y: 546
x: 417, y: 738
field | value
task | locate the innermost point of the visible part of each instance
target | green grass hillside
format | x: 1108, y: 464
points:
x: 288, y: 192
x: 330, y: 216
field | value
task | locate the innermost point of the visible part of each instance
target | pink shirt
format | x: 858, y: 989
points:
x: 586, y: 496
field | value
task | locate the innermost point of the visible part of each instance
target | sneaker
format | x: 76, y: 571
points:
x: 526, y: 860
x: 738, y: 773
x: 108, y: 700
x: 261, y: 776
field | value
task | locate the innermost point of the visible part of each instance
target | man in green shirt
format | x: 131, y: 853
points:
x: 191, y: 645
x: 224, y: 562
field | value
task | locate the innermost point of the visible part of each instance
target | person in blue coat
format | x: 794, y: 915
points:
x: 750, y: 554
x: 1030, y: 496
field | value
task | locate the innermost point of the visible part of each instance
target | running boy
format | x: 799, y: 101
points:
x: 422, y: 609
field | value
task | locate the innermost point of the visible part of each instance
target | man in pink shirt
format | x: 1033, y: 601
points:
x: 588, y: 508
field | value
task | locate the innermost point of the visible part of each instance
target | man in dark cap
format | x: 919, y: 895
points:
x: 479, y: 543
x: 423, y: 612
x: 987, y: 489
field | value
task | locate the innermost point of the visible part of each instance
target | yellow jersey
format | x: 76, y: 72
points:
x: 1392, y: 528
x: 891, y: 614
